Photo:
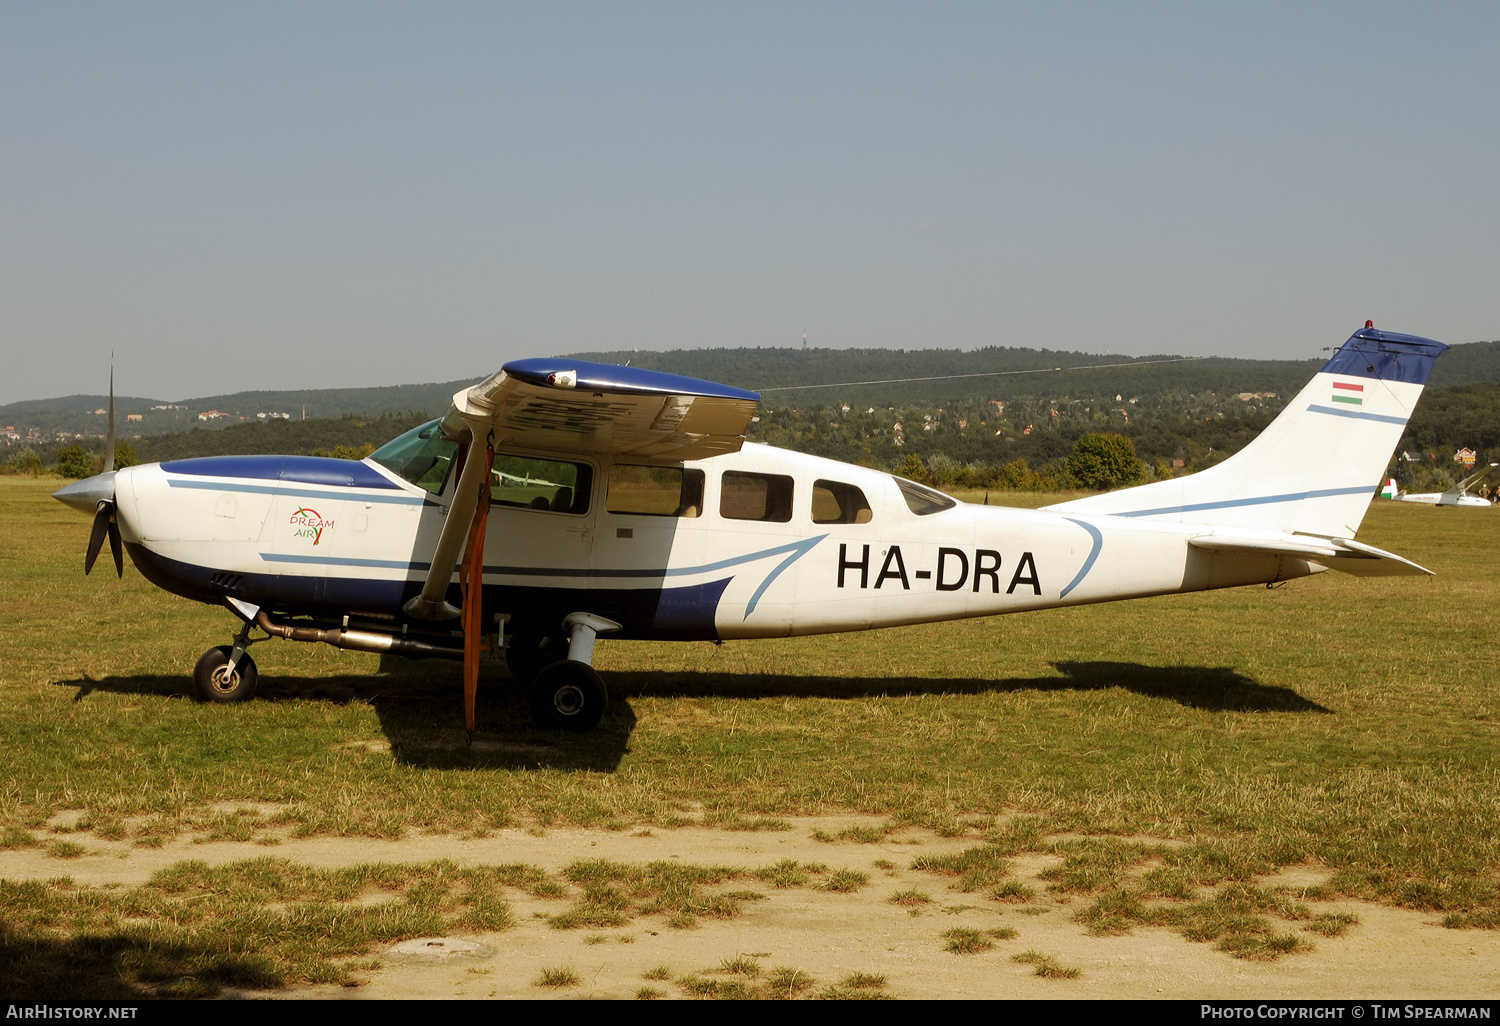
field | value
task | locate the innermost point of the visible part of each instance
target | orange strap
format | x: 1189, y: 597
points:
x: 471, y: 584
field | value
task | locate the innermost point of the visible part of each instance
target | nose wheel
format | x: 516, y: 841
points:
x: 218, y: 681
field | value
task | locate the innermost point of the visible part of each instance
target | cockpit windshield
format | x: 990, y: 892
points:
x: 422, y: 456
x: 922, y: 500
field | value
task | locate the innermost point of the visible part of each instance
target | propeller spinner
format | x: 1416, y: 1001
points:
x: 96, y: 495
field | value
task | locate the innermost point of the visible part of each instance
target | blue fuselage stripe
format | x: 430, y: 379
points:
x: 1259, y: 500
x: 1358, y: 415
x: 797, y: 548
x: 300, y: 491
x: 1088, y: 564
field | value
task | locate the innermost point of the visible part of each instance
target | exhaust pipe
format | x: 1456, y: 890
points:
x: 361, y: 641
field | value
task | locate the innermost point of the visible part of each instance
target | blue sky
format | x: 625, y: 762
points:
x: 324, y: 195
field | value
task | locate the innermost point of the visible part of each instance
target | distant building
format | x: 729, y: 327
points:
x: 134, y: 416
x: 1466, y: 457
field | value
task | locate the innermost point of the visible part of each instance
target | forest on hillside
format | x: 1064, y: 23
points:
x: 797, y: 377
x: 993, y: 429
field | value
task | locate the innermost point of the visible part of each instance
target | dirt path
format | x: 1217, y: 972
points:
x: 1391, y: 953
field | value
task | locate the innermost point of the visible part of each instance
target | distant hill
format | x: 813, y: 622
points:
x: 857, y: 374
x: 296, y: 437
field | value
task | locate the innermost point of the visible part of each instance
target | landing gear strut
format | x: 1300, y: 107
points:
x: 527, y: 655
x: 568, y: 694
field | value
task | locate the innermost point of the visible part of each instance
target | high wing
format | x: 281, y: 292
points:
x: 576, y: 407
x: 572, y: 406
x: 1343, y: 554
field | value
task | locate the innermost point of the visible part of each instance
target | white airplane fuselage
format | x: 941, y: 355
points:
x: 622, y: 501
x: 324, y: 549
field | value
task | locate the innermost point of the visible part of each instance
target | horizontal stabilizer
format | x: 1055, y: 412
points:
x: 1342, y: 554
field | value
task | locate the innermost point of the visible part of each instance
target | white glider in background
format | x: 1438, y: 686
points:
x: 1458, y: 495
x: 559, y: 500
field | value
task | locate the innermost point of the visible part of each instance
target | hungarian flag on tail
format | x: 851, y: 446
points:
x: 1344, y: 392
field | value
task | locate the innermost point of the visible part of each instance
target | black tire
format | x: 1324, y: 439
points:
x: 214, y: 686
x: 568, y: 695
x: 527, y: 654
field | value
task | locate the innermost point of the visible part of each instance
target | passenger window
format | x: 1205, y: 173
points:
x: 755, y: 497
x: 527, y: 483
x: 835, y: 503
x: 654, y: 491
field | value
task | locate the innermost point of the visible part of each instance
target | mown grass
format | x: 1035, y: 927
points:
x: 1343, y: 722
x: 743, y: 979
x: 1047, y: 967
x: 193, y: 929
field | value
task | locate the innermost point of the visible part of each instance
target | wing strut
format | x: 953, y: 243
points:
x: 471, y: 582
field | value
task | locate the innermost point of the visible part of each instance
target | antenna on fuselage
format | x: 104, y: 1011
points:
x: 109, y: 428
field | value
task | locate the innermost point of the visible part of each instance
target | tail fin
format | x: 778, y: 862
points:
x: 1391, y: 489
x: 1312, y: 470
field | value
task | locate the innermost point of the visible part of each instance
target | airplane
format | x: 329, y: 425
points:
x: 559, y: 500
x: 1458, y: 495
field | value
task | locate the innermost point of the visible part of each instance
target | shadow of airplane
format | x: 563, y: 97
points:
x: 93, y: 967
x: 1211, y: 688
x: 420, y: 705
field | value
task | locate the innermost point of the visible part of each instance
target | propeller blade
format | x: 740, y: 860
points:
x: 114, y: 546
x: 103, y: 515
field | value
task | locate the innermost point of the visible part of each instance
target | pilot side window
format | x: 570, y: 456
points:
x: 765, y: 497
x: 836, y: 503
x: 422, y: 456
x: 654, y: 491
x: 528, y: 483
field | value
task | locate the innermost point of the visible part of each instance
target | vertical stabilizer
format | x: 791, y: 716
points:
x: 1314, y: 469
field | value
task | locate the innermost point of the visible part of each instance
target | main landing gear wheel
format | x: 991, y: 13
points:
x: 217, y: 683
x: 568, y: 695
x: 526, y: 655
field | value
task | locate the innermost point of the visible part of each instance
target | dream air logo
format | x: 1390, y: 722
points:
x: 309, y: 524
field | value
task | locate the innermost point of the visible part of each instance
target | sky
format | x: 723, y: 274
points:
x: 320, y: 195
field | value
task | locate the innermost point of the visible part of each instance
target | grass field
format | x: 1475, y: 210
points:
x: 1331, y: 720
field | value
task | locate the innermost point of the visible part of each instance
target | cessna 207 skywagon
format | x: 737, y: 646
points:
x: 559, y: 500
